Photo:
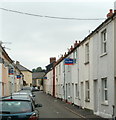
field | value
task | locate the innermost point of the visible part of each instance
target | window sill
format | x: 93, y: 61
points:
x: 77, y: 98
x: 86, y: 63
x: 105, y: 103
x: 87, y: 100
x: 104, y: 54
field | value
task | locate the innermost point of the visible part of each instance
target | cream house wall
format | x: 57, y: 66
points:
x: 27, y: 77
x: 5, y: 84
x: 59, y: 80
x: 98, y: 67
x: 49, y: 81
x: 115, y: 65
x: 106, y: 70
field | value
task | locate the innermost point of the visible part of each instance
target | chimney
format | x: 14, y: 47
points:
x: 71, y: 48
x: 64, y: 54
x: 17, y: 62
x: 52, y: 59
x: 110, y: 13
x: 115, y: 7
x: 75, y: 44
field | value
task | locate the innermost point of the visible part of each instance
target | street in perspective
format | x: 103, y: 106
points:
x: 56, y: 108
x: 41, y: 77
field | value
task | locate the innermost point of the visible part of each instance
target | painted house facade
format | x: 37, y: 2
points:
x: 90, y: 82
x: 5, y: 62
x: 37, y: 79
x: 8, y: 75
x: 27, y: 74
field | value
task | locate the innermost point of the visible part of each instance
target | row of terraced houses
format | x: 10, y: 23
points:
x: 13, y: 76
x: 86, y: 75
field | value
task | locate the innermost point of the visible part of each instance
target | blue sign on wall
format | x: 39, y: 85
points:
x: 68, y: 61
x: 11, y: 71
x: 18, y: 77
x: 45, y: 78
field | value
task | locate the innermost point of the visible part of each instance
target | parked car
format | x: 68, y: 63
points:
x: 27, y: 88
x: 18, y: 109
x: 34, y: 89
x: 27, y: 92
x: 23, y: 96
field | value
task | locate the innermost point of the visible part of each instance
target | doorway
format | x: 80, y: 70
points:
x: 82, y: 95
x: 72, y: 93
x: 95, y: 95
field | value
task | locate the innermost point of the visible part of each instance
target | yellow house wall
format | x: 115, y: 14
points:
x: 5, y: 83
x: 27, y: 77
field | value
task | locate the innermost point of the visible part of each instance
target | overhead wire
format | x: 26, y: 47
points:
x: 52, y: 17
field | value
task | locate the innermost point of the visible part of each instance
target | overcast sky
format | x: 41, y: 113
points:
x: 35, y: 39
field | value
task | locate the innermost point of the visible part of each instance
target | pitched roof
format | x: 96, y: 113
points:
x: 38, y: 75
x: 109, y: 19
x: 22, y: 68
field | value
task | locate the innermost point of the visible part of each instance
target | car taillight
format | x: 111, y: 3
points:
x: 33, y: 117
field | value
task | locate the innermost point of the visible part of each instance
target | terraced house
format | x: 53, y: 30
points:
x: 89, y: 78
x: 9, y: 82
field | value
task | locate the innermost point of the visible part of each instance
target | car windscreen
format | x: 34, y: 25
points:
x: 15, y: 107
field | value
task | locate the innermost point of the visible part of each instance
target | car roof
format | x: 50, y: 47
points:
x: 18, y: 97
x: 20, y: 93
x: 15, y: 100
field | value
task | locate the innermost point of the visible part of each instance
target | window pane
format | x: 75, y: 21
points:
x: 106, y: 98
x: 104, y: 47
x: 16, y: 106
x: 105, y: 83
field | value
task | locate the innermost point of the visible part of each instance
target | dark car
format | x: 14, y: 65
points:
x: 21, y: 96
x: 28, y: 92
x: 18, y: 109
x: 34, y: 89
x: 25, y: 94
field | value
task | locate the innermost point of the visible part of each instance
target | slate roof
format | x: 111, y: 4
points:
x: 22, y: 68
x: 38, y: 75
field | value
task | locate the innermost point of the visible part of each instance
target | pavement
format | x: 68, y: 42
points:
x: 85, y: 114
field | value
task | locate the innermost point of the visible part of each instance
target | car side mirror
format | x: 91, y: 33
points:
x: 38, y: 105
x: 33, y: 95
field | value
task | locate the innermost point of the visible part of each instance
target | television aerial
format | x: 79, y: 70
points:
x: 2, y: 44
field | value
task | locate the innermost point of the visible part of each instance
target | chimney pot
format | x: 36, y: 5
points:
x: 110, y: 13
x: 65, y: 54
x: 71, y: 48
x: 75, y: 44
x: 17, y: 62
x: 52, y: 59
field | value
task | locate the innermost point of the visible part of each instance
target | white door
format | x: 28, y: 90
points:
x: 82, y: 95
x: 72, y: 92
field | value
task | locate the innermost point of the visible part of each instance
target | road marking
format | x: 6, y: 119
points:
x: 75, y: 112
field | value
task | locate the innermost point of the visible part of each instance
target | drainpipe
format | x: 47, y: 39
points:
x: 64, y: 83
x: 113, y: 115
x: 0, y: 80
x: 54, y: 82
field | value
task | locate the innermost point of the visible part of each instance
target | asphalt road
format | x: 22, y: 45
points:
x: 52, y: 107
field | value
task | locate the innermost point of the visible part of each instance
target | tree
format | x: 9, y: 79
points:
x: 38, y: 69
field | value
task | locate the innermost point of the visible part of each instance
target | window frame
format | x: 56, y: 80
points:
x: 104, y: 90
x: 76, y: 90
x: 104, y: 41
x: 75, y: 56
x: 87, y: 53
x: 87, y: 91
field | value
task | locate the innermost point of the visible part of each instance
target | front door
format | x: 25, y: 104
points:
x: 82, y: 95
x: 72, y: 92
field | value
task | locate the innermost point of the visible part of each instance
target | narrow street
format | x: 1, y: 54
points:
x: 52, y: 108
